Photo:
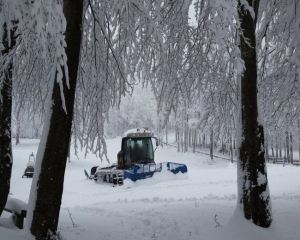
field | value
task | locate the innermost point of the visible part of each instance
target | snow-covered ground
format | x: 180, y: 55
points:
x: 197, y: 205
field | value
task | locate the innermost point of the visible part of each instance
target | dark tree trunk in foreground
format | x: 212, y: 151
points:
x: 51, y: 178
x: 253, y: 183
x: 6, y: 159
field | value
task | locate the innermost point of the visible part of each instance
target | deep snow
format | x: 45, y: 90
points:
x: 197, y: 205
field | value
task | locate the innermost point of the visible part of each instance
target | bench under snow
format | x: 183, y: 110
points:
x: 18, y: 209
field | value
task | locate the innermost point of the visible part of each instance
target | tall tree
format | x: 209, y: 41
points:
x: 6, y: 158
x: 47, y: 186
x: 219, y: 24
x: 17, y: 29
x: 253, y: 190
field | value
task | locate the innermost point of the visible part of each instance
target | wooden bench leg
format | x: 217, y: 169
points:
x: 18, y: 219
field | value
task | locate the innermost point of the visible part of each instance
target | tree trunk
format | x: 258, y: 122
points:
x: 50, y: 181
x: 18, y: 132
x: 199, y: 141
x: 276, y: 151
x: 267, y: 152
x: 176, y: 133
x: 273, y: 156
x: 222, y: 150
x: 194, y: 141
x: 291, y: 148
x: 167, y: 141
x: 186, y: 136
x: 231, y: 150
x: 211, y: 148
x: 253, y: 187
x: 177, y: 138
x: 69, y: 148
x: 287, y: 147
x: 234, y: 148
x: 18, y: 122
x: 6, y: 158
x: 299, y: 137
x: 280, y: 150
x: 182, y: 140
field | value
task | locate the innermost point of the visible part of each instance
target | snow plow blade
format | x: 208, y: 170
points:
x: 143, y: 171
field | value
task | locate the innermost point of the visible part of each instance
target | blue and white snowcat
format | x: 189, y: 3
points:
x: 135, y: 160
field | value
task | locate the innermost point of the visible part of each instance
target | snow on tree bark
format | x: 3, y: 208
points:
x: 6, y: 158
x: 253, y: 188
x: 51, y: 178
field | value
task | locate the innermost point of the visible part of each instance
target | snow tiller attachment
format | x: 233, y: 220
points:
x: 135, y: 160
x: 143, y: 171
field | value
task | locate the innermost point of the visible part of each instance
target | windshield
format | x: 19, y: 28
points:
x: 139, y: 150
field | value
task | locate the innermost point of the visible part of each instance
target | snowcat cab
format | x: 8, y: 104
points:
x: 136, y: 148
